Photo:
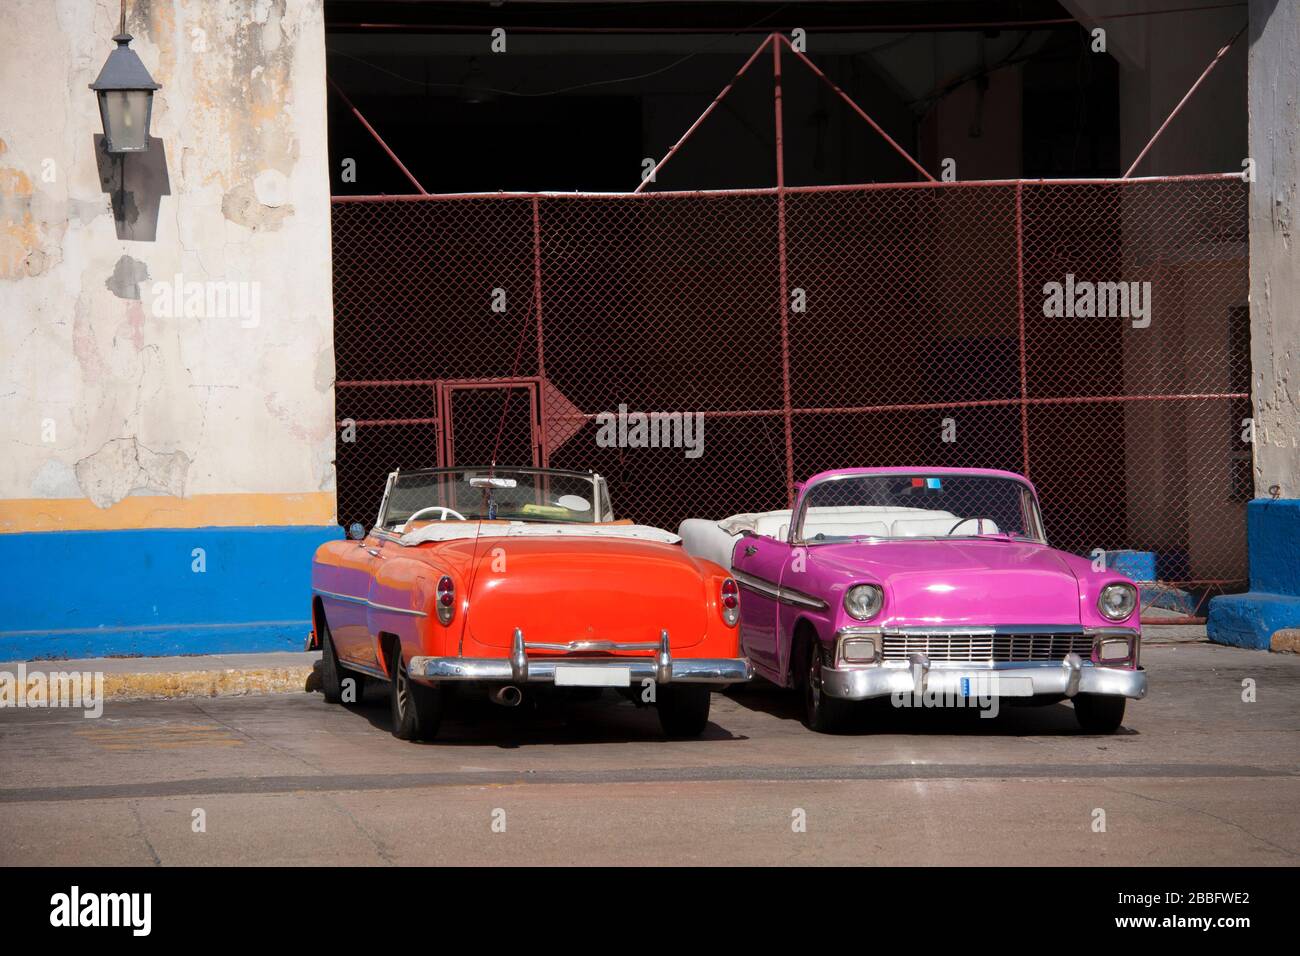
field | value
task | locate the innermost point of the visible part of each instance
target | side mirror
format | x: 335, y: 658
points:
x: 356, y: 531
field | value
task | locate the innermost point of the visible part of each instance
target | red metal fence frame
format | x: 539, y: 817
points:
x: 369, y: 295
x: 359, y: 334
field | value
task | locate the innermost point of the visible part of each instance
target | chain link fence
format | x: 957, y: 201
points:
x: 1093, y: 335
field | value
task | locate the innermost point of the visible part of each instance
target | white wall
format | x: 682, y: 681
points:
x: 206, y: 418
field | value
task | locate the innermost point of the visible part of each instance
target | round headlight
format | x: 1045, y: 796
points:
x: 863, y: 601
x: 1117, y: 601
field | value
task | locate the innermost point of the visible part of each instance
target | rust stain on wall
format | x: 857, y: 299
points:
x: 241, y: 100
x: 21, y: 252
x: 157, y: 21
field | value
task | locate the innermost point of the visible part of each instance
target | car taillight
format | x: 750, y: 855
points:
x: 446, y: 600
x: 730, y: 602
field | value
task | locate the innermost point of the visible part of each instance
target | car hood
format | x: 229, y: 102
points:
x: 562, y: 589
x: 960, y: 582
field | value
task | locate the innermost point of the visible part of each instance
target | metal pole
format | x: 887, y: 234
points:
x: 858, y: 109
x: 784, y: 282
x: 703, y: 116
x: 378, y: 139
x: 1020, y: 305
x: 1186, y: 96
x: 537, y: 284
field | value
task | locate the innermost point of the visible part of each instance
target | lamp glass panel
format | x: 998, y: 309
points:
x: 126, y: 119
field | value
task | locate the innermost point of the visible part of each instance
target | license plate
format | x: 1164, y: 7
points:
x: 988, y: 684
x: 567, y: 675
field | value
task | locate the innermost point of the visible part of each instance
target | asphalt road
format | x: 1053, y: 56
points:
x: 1196, y: 776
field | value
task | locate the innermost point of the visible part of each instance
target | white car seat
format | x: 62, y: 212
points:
x: 939, y: 526
x: 716, y: 540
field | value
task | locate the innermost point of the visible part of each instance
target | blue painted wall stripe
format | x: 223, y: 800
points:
x: 96, y: 593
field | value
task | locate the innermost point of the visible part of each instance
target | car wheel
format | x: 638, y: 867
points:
x: 824, y: 714
x: 683, y: 708
x: 1099, y: 715
x: 331, y: 680
x: 416, y: 708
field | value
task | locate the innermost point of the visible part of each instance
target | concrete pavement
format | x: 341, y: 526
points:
x: 1197, y: 776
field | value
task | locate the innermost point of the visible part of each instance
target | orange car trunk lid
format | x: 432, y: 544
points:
x: 561, y: 590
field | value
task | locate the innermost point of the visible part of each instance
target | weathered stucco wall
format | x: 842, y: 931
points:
x: 167, y: 335
x: 1274, y: 259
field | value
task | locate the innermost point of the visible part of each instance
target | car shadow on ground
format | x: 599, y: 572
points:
x: 879, y: 717
x: 470, y: 719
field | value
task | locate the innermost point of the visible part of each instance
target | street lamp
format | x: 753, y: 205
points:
x: 125, y: 90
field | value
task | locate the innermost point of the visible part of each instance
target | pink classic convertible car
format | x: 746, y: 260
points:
x: 928, y: 585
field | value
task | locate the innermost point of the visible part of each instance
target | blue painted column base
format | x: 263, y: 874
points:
x: 1273, y: 602
x: 1251, y: 619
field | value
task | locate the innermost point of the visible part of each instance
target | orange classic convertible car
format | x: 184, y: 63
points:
x: 516, y: 580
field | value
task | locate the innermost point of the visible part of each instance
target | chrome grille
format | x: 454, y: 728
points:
x: 987, y: 648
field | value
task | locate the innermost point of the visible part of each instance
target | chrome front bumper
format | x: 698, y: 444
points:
x: 918, y: 676
x: 519, y: 668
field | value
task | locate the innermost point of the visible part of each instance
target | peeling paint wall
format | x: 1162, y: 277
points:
x: 163, y: 319
x: 1274, y: 258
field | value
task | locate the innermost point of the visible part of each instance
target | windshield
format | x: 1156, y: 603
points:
x: 924, y: 505
x: 493, y: 494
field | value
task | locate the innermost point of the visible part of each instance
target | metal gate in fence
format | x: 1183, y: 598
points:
x: 1090, y: 334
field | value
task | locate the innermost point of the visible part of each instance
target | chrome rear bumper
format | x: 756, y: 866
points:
x: 1065, y: 678
x: 519, y: 668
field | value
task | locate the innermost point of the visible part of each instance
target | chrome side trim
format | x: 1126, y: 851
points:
x: 350, y: 599
x: 776, y: 592
x: 799, y: 599
x: 765, y: 588
x: 398, y: 610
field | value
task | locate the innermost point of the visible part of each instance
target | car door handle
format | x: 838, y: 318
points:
x: 750, y: 550
x: 373, y: 552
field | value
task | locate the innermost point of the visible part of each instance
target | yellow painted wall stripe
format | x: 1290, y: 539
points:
x: 164, y: 511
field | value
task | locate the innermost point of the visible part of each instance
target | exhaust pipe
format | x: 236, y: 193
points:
x: 507, y: 696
